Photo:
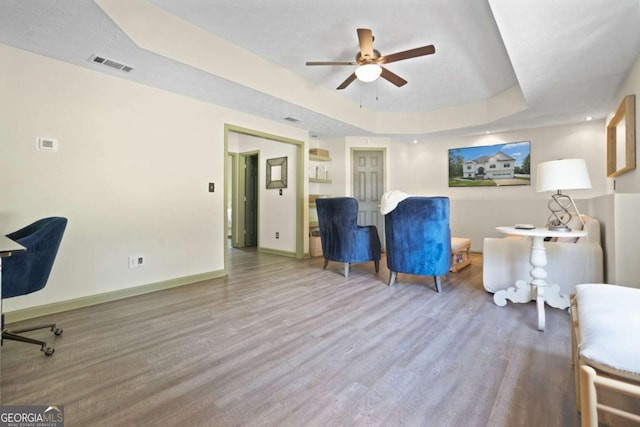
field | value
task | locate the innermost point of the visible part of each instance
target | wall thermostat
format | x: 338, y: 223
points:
x: 47, y: 144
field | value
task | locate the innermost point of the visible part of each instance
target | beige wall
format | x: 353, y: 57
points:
x: 133, y: 165
x: 618, y: 211
x: 422, y: 169
x: 475, y: 212
x: 131, y: 175
x: 630, y: 181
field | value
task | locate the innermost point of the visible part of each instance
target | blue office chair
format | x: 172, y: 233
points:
x: 343, y: 240
x: 28, y: 271
x: 419, y: 238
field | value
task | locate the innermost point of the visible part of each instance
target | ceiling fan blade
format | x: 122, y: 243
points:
x: 347, y: 82
x: 392, y: 77
x: 411, y: 53
x: 331, y: 63
x: 365, y: 39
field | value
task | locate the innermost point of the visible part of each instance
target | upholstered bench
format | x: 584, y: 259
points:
x: 460, y: 257
x: 606, y: 351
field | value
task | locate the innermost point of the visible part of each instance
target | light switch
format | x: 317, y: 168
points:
x: 212, y: 187
x: 46, y: 144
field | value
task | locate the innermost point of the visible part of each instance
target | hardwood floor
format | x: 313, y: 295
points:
x: 282, y: 342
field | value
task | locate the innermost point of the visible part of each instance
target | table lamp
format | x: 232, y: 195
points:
x: 559, y: 175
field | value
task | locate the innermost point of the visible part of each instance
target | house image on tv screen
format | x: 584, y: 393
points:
x: 496, y: 166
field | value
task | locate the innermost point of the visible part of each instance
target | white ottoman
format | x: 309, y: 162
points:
x: 606, y: 347
x: 460, y: 256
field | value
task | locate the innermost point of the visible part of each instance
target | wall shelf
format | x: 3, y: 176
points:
x: 320, y: 180
x: 315, y: 245
x: 316, y: 158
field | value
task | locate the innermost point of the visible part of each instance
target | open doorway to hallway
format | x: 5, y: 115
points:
x: 242, y: 199
x: 270, y: 219
x: 250, y: 196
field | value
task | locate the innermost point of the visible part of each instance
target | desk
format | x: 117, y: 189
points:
x: 7, y: 247
x: 537, y: 289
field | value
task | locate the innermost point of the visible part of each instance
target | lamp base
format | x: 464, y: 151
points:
x: 560, y: 227
x: 560, y: 216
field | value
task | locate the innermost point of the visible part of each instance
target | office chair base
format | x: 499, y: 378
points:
x: 13, y: 336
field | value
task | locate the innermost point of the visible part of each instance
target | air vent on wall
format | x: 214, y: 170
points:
x: 110, y: 63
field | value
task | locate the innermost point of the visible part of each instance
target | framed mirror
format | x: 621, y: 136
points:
x: 621, y: 138
x: 277, y: 172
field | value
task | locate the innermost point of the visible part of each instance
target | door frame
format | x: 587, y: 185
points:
x: 299, y: 178
x: 231, y: 175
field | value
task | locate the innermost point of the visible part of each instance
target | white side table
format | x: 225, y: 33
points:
x: 537, y: 289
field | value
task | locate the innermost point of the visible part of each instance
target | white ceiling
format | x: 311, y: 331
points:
x: 567, y: 58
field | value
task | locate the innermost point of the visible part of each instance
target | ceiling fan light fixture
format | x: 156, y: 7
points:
x: 368, y: 72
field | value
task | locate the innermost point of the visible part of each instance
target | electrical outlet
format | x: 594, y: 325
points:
x: 136, y: 261
x: 277, y: 235
x: 133, y: 262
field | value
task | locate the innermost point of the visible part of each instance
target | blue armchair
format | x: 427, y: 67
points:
x: 28, y: 271
x: 419, y: 238
x: 343, y: 240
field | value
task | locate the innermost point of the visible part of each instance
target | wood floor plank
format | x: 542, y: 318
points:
x: 283, y: 342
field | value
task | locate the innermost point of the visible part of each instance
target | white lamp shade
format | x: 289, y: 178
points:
x: 566, y: 174
x: 368, y: 72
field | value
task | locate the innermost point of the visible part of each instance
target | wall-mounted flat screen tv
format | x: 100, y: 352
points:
x: 490, y: 165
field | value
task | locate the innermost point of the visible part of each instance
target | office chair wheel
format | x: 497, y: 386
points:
x: 48, y: 351
x: 57, y: 331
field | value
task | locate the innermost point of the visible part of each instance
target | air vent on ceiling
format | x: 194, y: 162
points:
x: 291, y: 119
x: 111, y: 63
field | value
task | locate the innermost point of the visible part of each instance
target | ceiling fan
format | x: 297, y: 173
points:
x: 369, y: 61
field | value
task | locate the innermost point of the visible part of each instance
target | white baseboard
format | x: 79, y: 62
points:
x: 58, y: 307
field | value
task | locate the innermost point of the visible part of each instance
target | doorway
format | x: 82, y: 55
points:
x: 244, y: 201
x: 239, y: 183
x: 250, y: 200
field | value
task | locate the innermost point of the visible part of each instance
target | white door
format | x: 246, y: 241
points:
x: 368, y: 187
